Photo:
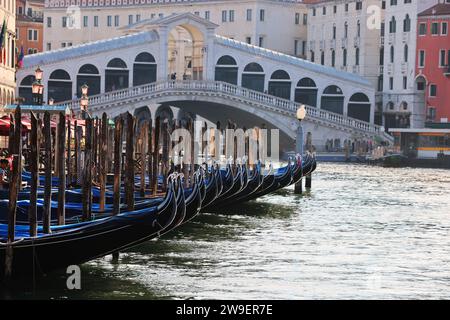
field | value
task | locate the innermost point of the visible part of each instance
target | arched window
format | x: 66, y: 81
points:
x: 358, y: 29
x: 357, y: 56
x: 407, y: 24
x: 333, y: 99
x: 392, y: 25
x: 226, y: 70
x: 253, y: 77
x: 306, y: 92
x: 359, y: 107
x: 59, y: 86
x: 25, y: 89
x: 144, y: 69
x: 116, y: 75
x: 88, y: 74
x: 346, y: 29
x: 280, y: 84
x: 405, y: 53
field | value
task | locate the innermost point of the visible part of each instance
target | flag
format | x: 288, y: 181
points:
x: 2, y: 39
x: 20, y: 58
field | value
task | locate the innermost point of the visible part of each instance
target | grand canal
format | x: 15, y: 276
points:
x: 361, y: 232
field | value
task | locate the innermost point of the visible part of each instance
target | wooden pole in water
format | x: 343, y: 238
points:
x: 117, y: 163
x: 79, y: 136
x: 61, y: 169
x: 129, y: 163
x: 47, y: 210
x: 13, y: 188
x: 144, y: 137
x: 34, y: 161
x: 95, y: 144
x: 150, y: 152
x: 102, y: 157
x: 68, y: 160
x: 155, y: 157
x: 87, y: 177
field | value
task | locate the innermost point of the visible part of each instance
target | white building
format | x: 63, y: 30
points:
x: 275, y: 24
x: 7, y: 59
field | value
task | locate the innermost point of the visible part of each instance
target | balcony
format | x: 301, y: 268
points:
x: 405, y: 37
x: 404, y: 68
x: 357, y: 42
x: 344, y: 42
x: 344, y: 68
x: 322, y: 45
x: 355, y: 69
x: 333, y: 44
x: 447, y: 71
x: 390, y: 68
x: 391, y: 38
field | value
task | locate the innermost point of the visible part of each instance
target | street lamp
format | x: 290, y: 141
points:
x: 37, y: 88
x: 301, y: 114
x: 38, y: 74
x: 84, y: 101
x: 51, y: 101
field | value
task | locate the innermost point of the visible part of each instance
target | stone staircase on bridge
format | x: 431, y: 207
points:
x: 152, y: 91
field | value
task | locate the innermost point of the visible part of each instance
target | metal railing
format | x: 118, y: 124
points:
x: 209, y: 87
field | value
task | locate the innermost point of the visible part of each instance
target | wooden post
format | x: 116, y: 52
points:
x: 13, y: 189
x: 129, y: 163
x: 47, y: 211
x: 165, y: 152
x: 102, y: 156
x: 308, y: 181
x: 95, y: 144
x: 150, y: 153
x: 155, y: 157
x: 87, y: 176
x: 79, y: 175
x: 61, y: 169
x: 117, y: 163
x: 143, y: 145
x: 34, y: 160
x: 68, y: 160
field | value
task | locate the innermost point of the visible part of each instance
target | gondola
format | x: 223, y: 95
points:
x: 79, y: 243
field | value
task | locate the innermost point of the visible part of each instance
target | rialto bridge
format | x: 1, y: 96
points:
x: 179, y: 64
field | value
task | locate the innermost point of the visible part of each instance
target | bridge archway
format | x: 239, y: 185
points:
x: 280, y: 84
x: 253, y: 77
x: 142, y: 114
x: 144, y: 69
x: 88, y: 74
x: 306, y: 92
x: 185, y: 52
x: 226, y: 70
x: 25, y: 89
x: 60, y: 86
x: 116, y: 75
x: 333, y: 99
x: 359, y: 107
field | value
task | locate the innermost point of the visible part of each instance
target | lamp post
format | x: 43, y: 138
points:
x: 37, y: 87
x: 84, y: 101
x: 301, y: 114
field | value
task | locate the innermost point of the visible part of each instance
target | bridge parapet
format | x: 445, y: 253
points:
x: 209, y: 87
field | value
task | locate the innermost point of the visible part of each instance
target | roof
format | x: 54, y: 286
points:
x: 314, y: 67
x: 437, y: 10
x: 38, y: 108
x: 423, y: 130
x: 89, y: 48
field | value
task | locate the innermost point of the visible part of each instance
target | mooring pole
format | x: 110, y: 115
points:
x: 79, y: 136
x: 47, y: 214
x: 150, y: 153
x: 69, y: 160
x: 298, y: 188
x: 87, y: 176
x: 117, y: 163
x: 34, y: 161
x: 156, y: 157
x: 61, y: 169
x: 102, y: 157
x: 129, y: 163
x: 143, y: 146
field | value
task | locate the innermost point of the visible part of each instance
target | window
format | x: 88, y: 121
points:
x: 358, y: 29
x: 297, y: 18
x: 224, y: 15
x: 304, y: 48
x: 109, y: 21
x: 435, y: 28
x: 392, y: 55
x: 249, y: 14
x: 333, y: 58
x: 346, y: 30
x: 433, y: 90
x: 248, y: 40
x: 322, y: 58
x: 346, y: 7
x: 444, y: 28
x: 357, y: 56
x: 85, y: 21
x: 442, y: 58
x: 49, y: 22
x: 261, y: 41
x: 334, y: 9
x: 344, y: 58
x: 63, y: 45
x: 359, y: 5
x: 405, y: 53
x: 405, y: 83
x: 421, y: 58
x: 312, y: 56
x: 138, y: 17
x: 314, y: 12
x: 393, y: 25
x: 197, y: 13
x: 95, y: 21
x: 130, y: 19
x: 64, y: 22
x: 116, y: 21
x: 407, y: 24
x: 32, y: 35
x: 391, y: 83
x: 334, y: 32
x: 305, y: 19
x: 262, y: 14
x: 207, y: 15
x: 231, y: 15
x: 324, y: 11
x: 422, y: 29
x: 49, y: 46
x: 296, y: 47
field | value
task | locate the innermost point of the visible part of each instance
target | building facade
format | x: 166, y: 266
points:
x: 257, y: 22
x: 433, y: 62
x: 29, y: 26
x: 7, y: 52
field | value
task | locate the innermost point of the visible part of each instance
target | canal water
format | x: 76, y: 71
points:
x: 361, y: 233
